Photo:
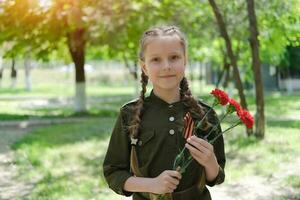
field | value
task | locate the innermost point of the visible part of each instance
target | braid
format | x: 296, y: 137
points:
x: 196, y: 110
x: 137, y: 110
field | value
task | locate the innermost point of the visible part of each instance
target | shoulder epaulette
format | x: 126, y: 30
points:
x: 131, y: 102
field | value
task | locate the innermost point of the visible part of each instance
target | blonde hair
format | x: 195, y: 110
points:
x: 196, y: 110
x: 161, y: 31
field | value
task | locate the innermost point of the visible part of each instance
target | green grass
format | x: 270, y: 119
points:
x: 64, y: 161
x: 65, y: 158
x: 250, y: 156
x: 48, y: 101
x: 293, y: 181
x: 21, y: 109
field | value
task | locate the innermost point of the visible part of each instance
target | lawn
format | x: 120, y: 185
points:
x: 64, y: 161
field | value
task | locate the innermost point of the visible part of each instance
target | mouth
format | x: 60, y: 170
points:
x: 167, y: 76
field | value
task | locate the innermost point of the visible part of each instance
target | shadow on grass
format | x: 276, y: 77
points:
x: 284, y: 123
x: 243, y: 142
x: 63, y: 134
x: 76, y: 151
x: 9, y: 117
x: 51, y: 114
x: 50, y: 185
x: 56, y: 108
x: 12, y: 90
x: 237, y: 144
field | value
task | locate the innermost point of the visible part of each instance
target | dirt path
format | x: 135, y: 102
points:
x: 10, y: 187
x: 250, y: 188
x: 261, y: 188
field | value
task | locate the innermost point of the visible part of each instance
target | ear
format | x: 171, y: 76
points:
x: 185, y: 60
x: 143, y: 66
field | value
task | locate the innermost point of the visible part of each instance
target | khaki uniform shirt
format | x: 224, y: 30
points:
x: 160, y: 140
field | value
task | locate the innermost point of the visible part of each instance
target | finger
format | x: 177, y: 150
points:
x: 172, y: 186
x: 196, y: 145
x: 200, y: 147
x: 197, y: 158
x: 203, y: 142
x: 196, y: 154
x: 175, y: 174
x: 170, y: 189
x: 201, y: 157
x: 204, y: 150
x: 194, y: 151
x: 172, y: 180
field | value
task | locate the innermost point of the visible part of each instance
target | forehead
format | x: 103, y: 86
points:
x: 163, y: 44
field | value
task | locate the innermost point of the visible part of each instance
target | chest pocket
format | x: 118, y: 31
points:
x: 145, y: 146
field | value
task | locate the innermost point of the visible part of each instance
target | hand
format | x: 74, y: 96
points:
x: 166, y: 182
x: 202, y: 151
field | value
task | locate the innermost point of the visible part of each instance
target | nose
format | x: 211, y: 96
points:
x: 166, y: 65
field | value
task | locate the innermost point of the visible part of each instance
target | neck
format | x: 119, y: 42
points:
x: 169, y: 96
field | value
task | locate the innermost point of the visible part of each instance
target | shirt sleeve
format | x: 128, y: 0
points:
x: 116, y: 165
x: 219, y: 152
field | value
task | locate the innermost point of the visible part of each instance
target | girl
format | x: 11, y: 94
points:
x: 150, y: 131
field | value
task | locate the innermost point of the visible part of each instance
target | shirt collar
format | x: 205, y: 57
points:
x: 157, y: 100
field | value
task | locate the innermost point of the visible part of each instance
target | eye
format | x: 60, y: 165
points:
x: 155, y: 59
x: 175, y: 57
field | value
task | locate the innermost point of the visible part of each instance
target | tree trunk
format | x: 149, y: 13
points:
x: 13, y: 74
x: 1, y: 70
x: 201, y: 75
x: 76, y: 45
x: 27, y: 68
x: 231, y: 56
x: 1, y: 76
x: 227, y: 75
x: 256, y: 66
x: 134, y: 72
x: 225, y: 68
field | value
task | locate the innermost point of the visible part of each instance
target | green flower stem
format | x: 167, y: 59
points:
x: 160, y: 197
x: 214, y: 127
x: 190, y: 158
x: 180, y: 156
x: 200, y: 122
x: 215, y: 138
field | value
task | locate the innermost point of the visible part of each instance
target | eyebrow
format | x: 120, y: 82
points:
x: 173, y: 52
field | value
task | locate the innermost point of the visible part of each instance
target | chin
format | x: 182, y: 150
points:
x: 169, y: 87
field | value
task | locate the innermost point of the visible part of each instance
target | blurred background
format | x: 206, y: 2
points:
x: 67, y: 66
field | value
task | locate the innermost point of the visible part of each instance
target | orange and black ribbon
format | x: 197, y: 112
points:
x: 188, y: 123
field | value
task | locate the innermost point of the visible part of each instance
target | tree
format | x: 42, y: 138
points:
x: 42, y: 28
x: 256, y: 66
x: 230, y: 53
x: 19, y: 19
x: 80, y: 24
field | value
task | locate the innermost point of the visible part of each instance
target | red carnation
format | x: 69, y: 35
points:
x: 235, y: 104
x: 221, y: 96
x: 246, y: 118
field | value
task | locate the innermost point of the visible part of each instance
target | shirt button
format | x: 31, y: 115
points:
x: 170, y: 106
x: 171, y: 132
x: 140, y: 143
x: 171, y: 119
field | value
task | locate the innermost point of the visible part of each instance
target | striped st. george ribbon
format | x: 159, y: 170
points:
x: 188, y: 124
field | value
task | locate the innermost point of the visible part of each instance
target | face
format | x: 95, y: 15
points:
x: 164, y: 62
